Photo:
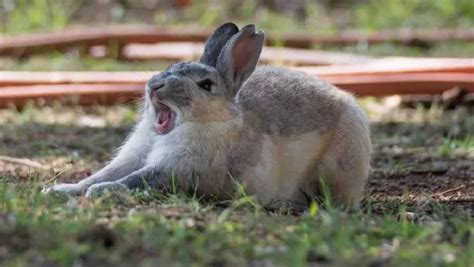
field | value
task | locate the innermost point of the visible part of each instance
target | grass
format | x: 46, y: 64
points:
x: 179, y: 230
x: 399, y: 224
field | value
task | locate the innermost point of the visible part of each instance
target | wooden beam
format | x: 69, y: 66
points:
x: 397, y: 65
x: 21, y: 78
x: 84, y: 94
x: 121, y: 35
x: 118, y: 35
x: 270, y: 55
x: 114, y: 92
x: 402, y: 83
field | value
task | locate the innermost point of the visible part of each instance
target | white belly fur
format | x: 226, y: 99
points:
x: 194, y: 137
x: 284, y: 163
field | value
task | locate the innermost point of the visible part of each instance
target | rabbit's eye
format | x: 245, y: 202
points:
x: 205, y: 84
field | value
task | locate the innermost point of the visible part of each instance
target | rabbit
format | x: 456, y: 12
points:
x: 208, y: 125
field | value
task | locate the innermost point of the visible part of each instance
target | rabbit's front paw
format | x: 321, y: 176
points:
x: 101, y: 188
x: 70, y: 189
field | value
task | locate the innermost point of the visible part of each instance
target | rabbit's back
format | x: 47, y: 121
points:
x: 287, y: 102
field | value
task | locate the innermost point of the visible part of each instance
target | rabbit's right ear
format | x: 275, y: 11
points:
x: 239, y: 57
x: 216, y: 42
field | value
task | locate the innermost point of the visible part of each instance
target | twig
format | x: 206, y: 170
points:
x: 448, y: 191
x: 466, y: 199
x: 26, y: 162
x: 54, y: 177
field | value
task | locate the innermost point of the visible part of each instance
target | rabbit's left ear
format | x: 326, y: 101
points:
x: 239, y: 57
x: 216, y: 42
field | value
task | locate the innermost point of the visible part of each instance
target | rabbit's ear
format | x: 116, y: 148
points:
x: 216, y: 42
x: 239, y: 57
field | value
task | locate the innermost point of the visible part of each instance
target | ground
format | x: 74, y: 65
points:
x: 418, y: 207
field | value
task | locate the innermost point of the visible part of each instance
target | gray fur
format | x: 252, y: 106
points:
x: 175, y: 90
x: 289, y: 102
x: 180, y: 82
x: 275, y: 131
x: 148, y: 176
x: 215, y: 43
x: 101, y: 188
x: 245, y: 154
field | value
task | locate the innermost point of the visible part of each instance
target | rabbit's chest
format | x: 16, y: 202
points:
x: 191, y: 148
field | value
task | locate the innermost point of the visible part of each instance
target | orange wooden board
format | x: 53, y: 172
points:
x: 121, y: 35
x: 395, y: 65
x: 127, y: 86
x: 187, y: 51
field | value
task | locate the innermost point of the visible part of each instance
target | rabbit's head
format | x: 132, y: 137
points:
x: 204, y: 91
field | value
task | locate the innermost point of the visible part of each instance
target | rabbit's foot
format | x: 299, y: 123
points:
x: 70, y: 189
x: 101, y: 188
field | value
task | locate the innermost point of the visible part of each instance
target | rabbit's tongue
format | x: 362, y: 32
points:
x: 164, y: 121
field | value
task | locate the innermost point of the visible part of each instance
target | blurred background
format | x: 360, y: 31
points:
x: 72, y: 72
x: 320, y: 16
x: 324, y: 17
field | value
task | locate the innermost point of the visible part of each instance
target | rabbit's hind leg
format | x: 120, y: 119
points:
x: 345, y: 165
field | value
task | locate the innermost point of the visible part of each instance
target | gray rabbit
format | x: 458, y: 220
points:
x: 209, y: 124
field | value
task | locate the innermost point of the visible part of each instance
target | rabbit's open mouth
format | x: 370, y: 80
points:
x: 164, y: 119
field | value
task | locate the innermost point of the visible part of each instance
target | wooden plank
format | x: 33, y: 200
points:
x: 360, y: 85
x: 84, y: 94
x: 118, y: 35
x: 376, y: 67
x: 402, y: 83
x: 121, y: 35
x: 187, y: 51
x: 396, y: 65
x: 20, y: 78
